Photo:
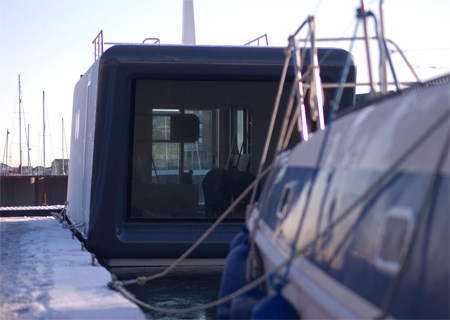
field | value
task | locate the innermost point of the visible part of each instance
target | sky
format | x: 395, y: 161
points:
x: 49, y: 43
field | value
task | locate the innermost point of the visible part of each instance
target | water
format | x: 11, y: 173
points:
x: 181, y: 289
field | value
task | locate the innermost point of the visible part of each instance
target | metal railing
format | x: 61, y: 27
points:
x: 155, y: 40
x: 397, y: 49
x: 99, y: 44
x: 257, y: 41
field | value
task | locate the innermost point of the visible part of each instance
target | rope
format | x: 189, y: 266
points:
x: 288, y: 126
x: 338, y: 94
x: 290, y: 118
x: 61, y: 216
x: 431, y: 190
x: 377, y: 185
x: 373, y: 189
x: 58, y: 216
x: 143, y: 280
x: 272, y: 120
x: 119, y: 287
x: 72, y: 227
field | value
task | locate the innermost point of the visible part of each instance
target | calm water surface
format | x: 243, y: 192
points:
x: 178, y: 290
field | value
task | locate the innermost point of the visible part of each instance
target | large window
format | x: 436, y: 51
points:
x: 181, y: 154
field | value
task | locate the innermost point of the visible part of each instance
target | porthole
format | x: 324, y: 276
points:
x: 396, y: 230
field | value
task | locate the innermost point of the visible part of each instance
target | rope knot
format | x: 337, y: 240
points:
x: 141, y: 280
x: 276, y: 281
x: 253, y: 266
x: 114, y: 285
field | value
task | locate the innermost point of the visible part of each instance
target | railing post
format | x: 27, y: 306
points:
x: 98, y: 45
x: 257, y: 40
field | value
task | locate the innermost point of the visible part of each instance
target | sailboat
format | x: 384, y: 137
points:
x: 353, y: 221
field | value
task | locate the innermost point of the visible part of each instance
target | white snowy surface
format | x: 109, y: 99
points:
x: 44, y: 274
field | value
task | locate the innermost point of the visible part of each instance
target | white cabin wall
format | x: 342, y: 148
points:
x: 82, y: 147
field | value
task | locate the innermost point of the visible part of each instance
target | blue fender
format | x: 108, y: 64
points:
x: 274, y: 307
x: 240, y: 238
x: 241, y: 306
x: 233, y: 278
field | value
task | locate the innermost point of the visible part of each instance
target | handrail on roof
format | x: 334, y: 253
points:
x: 257, y: 41
x: 99, y: 44
x: 155, y: 40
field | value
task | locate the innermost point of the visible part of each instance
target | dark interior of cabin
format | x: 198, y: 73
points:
x: 192, y: 173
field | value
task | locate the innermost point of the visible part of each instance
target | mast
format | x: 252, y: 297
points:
x: 62, y: 143
x: 43, y: 117
x: 7, y: 147
x: 5, y: 155
x: 28, y: 147
x: 188, y: 31
x: 365, y: 9
x: 20, y: 125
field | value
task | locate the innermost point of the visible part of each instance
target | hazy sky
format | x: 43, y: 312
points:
x: 49, y: 43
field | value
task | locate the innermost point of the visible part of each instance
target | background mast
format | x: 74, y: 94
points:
x: 20, y: 126
x: 5, y: 154
x: 62, y: 138
x: 28, y: 147
x: 43, y: 117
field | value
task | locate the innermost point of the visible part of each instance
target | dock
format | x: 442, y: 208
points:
x: 45, y: 274
x: 30, y: 211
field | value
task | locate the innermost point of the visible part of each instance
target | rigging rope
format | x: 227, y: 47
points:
x: 382, y: 181
x: 424, y: 209
x: 292, y: 51
x: 143, y: 280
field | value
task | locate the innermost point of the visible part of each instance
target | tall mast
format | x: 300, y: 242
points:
x: 28, y: 147
x: 62, y: 141
x: 43, y: 117
x: 7, y: 147
x: 20, y: 123
x: 188, y: 23
x: 5, y: 155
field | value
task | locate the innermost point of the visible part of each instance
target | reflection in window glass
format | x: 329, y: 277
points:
x: 161, y: 128
x: 166, y: 162
x: 172, y: 179
x: 167, y: 175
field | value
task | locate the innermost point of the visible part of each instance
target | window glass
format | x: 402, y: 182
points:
x: 169, y: 177
x: 161, y: 128
x: 194, y: 169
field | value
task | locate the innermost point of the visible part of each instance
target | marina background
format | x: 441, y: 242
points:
x: 49, y: 43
